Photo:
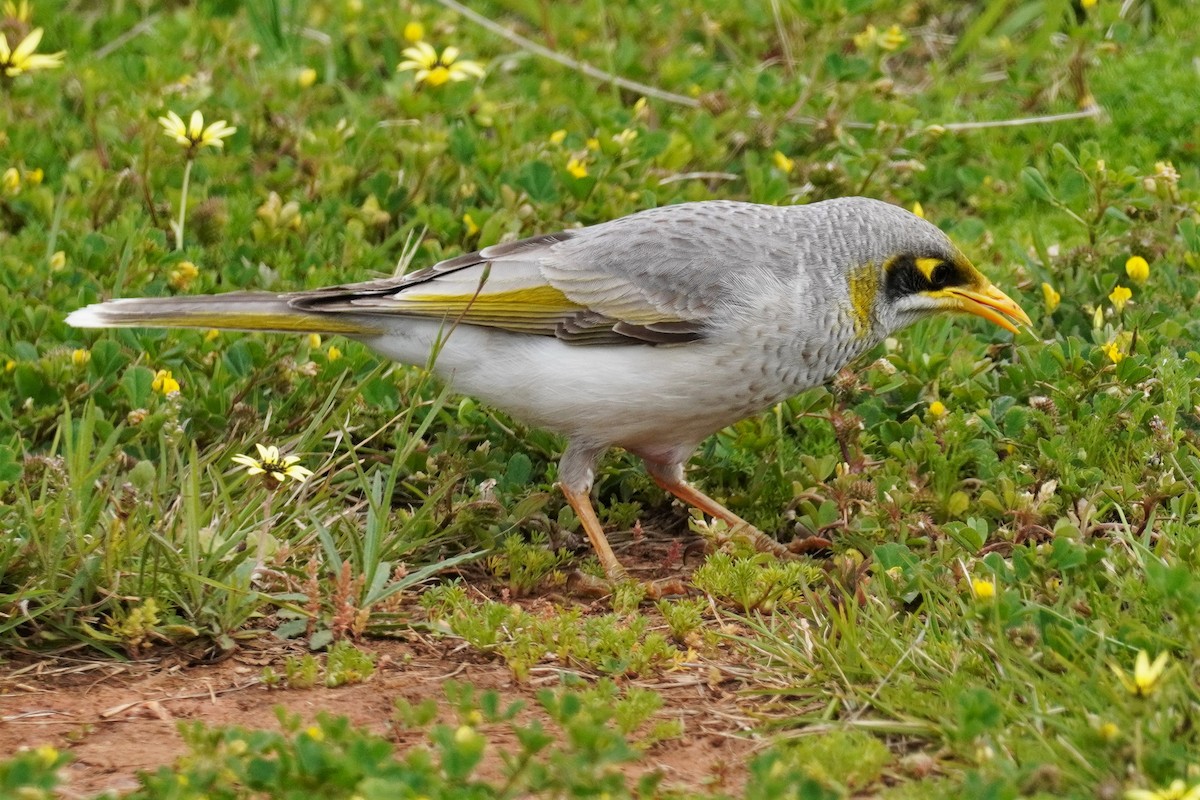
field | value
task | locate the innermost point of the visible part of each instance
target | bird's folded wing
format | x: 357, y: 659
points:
x: 581, y: 287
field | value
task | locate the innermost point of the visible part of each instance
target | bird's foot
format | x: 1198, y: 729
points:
x: 593, y: 586
x: 723, y: 535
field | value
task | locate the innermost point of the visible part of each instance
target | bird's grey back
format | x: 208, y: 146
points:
x: 685, y: 256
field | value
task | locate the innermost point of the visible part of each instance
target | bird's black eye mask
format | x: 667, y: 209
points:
x: 909, y: 274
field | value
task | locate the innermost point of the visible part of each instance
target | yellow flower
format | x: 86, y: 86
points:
x: 1051, y: 298
x: 436, y: 69
x: 577, y: 168
x: 210, y: 334
x: 866, y: 38
x: 34, y: 176
x: 1119, y: 297
x: 414, y: 31
x: 558, y: 136
x: 889, y: 40
x: 1178, y: 790
x: 47, y: 755
x: 10, y: 365
x: 1137, y: 269
x: 918, y: 209
x: 11, y: 182
x: 1113, y: 351
x: 315, y: 733
x: 182, y: 276
x: 333, y: 354
x: 58, y: 261
x: 314, y: 340
x: 306, y: 77
x: 277, y: 468
x: 785, y: 164
x: 472, y: 226
x: 23, y: 59
x: 983, y: 590
x: 593, y: 143
x: 937, y: 409
x: 80, y: 357
x: 194, y: 135
x: 163, y: 383
x: 1088, y: 3
x: 625, y: 137
x: 1145, y: 674
x: 892, y: 38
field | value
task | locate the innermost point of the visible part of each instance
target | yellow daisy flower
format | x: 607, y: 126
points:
x: 23, y: 58
x: 194, y: 135
x: 277, y: 468
x: 436, y: 68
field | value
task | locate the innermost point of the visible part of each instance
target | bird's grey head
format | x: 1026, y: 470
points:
x: 900, y: 268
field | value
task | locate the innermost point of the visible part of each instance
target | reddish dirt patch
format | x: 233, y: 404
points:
x: 119, y: 719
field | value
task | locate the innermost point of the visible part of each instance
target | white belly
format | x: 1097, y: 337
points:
x: 655, y: 401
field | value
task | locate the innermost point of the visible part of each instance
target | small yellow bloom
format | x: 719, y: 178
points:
x: 1145, y: 674
x: 23, y: 58
x: 269, y: 463
x: 210, y: 334
x: 46, y: 754
x: 577, y: 168
x: 34, y: 176
x: 10, y: 365
x: 983, y: 589
x: 918, y: 209
x: 414, y: 32
x: 333, y: 354
x: 624, y: 138
x: 315, y: 733
x: 182, y: 276
x: 194, y: 136
x: 1109, y: 731
x: 1178, y: 790
x: 314, y: 340
x: 558, y: 136
x: 593, y: 143
x: 937, y: 409
x: 11, y: 182
x: 1119, y: 297
x: 866, y: 37
x: 1113, y: 351
x: 306, y: 77
x: 1138, y: 269
x: 58, y: 261
x: 1051, y: 298
x: 472, y: 226
x: 892, y: 38
x: 80, y: 357
x: 435, y: 68
x: 1088, y: 3
x: 783, y: 163
x: 163, y: 383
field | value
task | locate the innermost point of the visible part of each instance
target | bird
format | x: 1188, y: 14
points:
x: 647, y: 332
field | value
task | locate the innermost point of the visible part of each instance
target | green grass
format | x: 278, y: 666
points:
x: 1062, y: 473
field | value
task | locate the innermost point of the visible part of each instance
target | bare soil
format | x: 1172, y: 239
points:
x: 120, y: 718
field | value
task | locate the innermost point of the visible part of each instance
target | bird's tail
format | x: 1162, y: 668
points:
x: 235, y: 311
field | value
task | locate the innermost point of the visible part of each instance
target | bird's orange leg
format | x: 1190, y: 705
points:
x: 669, y: 478
x: 582, y: 503
x: 613, y: 571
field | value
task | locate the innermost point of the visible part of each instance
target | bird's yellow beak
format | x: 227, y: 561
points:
x: 988, y: 302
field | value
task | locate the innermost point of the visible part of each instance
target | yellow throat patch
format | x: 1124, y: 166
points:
x: 864, y: 288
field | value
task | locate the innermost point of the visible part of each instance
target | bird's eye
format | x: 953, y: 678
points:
x: 941, y: 276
